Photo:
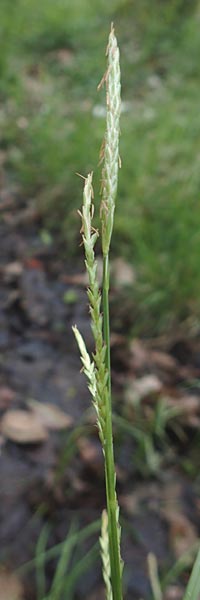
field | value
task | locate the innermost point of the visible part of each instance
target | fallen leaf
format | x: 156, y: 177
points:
x: 7, y: 396
x: 139, y: 389
x: 23, y: 217
x: 101, y: 594
x: 10, y: 586
x: 50, y: 415
x: 163, y: 361
x: 117, y: 339
x: 8, y: 200
x: 91, y: 453
x: 64, y: 56
x: 129, y: 502
x: 78, y: 279
x: 190, y: 404
x: 13, y: 270
x: 139, y: 356
x: 79, y: 485
x: 182, y: 532
x: 22, y: 122
x: 144, y: 358
x: 189, y: 408
x: 22, y: 427
x: 174, y: 592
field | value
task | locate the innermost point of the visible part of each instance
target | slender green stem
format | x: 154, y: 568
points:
x: 154, y: 577
x: 106, y: 318
x: 193, y: 587
x: 112, y: 507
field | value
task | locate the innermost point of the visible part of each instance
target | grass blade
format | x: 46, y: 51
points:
x: 79, y: 569
x: 63, y: 563
x: 52, y: 553
x: 40, y: 562
x: 193, y: 587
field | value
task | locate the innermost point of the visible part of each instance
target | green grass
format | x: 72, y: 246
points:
x: 72, y: 561
x: 51, y: 63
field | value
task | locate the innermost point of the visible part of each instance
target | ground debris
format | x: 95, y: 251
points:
x: 91, y: 453
x: 10, y: 586
x: 7, y: 397
x: 50, y: 415
x: 12, y: 271
x: 22, y: 427
x: 141, y: 388
x: 174, y: 592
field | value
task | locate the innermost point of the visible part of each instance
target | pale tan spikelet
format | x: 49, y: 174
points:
x: 97, y: 368
x: 89, y: 371
x: 88, y: 365
x: 105, y: 555
x: 118, y: 531
x: 110, y: 147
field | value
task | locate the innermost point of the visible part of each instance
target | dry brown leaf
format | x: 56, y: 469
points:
x: 22, y: 122
x: 91, y: 453
x: 77, y: 279
x: 174, y: 592
x: 22, y: 427
x: 139, y: 356
x: 189, y: 407
x: 50, y: 415
x: 13, y: 270
x: 117, y: 339
x: 27, y: 215
x: 129, y: 502
x: 10, y: 586
x: 142, y: 388
x: 64, y: 56
x: 7, y: 396
x: 101, y: 594
x: 163, y: 361
x: 182, y: 532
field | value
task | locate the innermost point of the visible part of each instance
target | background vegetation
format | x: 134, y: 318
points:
x: 52, y: 126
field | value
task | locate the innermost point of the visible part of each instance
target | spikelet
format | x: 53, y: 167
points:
x: 110, y: 148
x: 94, y: 370
x: 88, y: 365
x: 105, y: 556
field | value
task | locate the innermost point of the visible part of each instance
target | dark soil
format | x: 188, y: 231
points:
x: 62, y: 479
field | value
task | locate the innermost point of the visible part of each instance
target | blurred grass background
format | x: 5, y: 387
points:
x: 52, y: 120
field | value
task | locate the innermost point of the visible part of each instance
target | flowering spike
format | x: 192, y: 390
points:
x: 95, y: 371
x: 105, y: 556
x: 110, y: 147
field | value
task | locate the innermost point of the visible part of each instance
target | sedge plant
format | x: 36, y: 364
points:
x: 97, y: 368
